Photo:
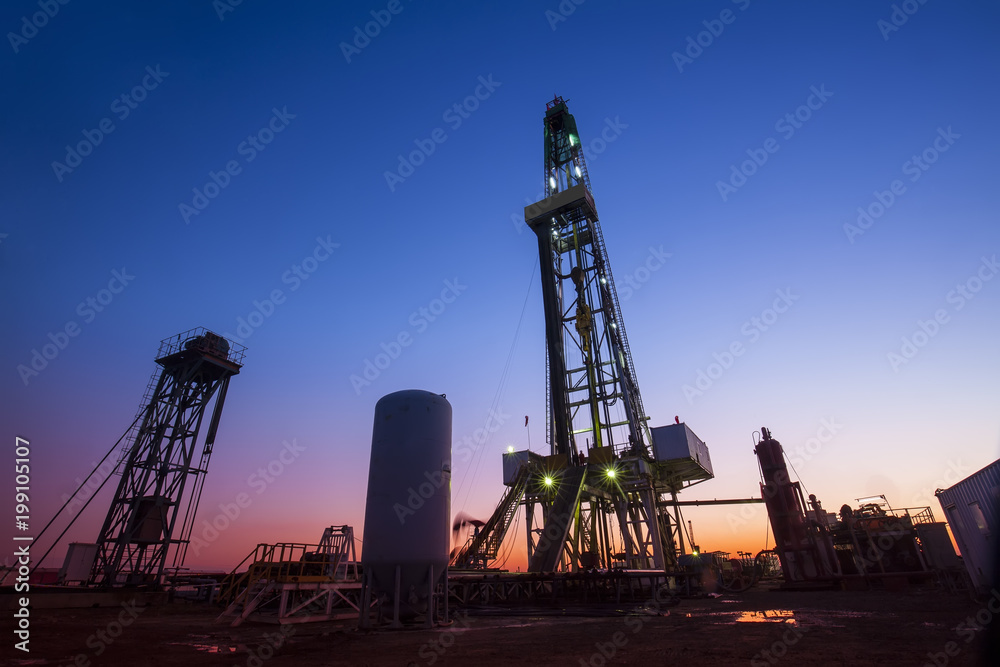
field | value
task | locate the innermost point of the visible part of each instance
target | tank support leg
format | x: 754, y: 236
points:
x: 395, y: 601
x: 364, y: 617
x: 429, y: 622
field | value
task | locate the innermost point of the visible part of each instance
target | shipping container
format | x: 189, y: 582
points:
x: 972, y: 509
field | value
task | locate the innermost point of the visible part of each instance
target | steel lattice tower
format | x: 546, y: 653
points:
x: 599, y: 499
x: 584, y: 332
x: 599, y: 473
x: 161, y: 480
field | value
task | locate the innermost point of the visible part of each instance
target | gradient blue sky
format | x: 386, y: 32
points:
x: 900, y: 431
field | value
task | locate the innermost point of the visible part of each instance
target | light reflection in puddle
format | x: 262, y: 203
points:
x: 767, y: 616
x: 807, y: 616
x: 207, y: 648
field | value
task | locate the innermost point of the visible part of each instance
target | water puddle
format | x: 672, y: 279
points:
x: 811, y: 617
x: 206, y: 648
x: 767, y: 616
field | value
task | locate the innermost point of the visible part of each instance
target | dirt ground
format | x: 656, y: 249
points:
x: 758, y: 628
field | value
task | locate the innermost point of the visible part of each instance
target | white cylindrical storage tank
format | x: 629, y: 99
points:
x: 408, y: 512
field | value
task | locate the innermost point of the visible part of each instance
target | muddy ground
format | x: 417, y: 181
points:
x: 760, y: 627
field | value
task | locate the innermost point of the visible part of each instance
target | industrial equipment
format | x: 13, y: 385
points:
x: 296, y: 583
x: 803, y: 545
x: 972, y: 507
x: 873, y: 543
x: 598, y: 499
x: 408, y: 510
x: 154, y: 507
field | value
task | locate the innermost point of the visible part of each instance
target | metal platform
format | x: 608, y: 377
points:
x: 296, y: 583
x: 613, y: 586
x: 285, y: 602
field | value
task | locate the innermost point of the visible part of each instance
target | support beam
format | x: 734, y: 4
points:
x: 697, y: 503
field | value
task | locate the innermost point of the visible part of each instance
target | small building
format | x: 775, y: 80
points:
x: 972, y: 508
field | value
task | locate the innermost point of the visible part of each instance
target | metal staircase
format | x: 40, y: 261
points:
x: 483, y: 547
x: 294, y: 583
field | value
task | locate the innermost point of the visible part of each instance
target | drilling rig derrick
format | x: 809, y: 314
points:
x: 154, y: 507
x: 596, y: 499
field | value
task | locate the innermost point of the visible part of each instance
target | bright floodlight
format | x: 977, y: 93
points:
x: 552, y: 181
x: 510, y: 449
x: 611, y: 473
x: 548, y: 481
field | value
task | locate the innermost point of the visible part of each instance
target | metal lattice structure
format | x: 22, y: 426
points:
x: 484, y: 545
x: 603, y: 496
x: 590, y: 364
x: 153, y: 511
x: 296, y: 583
x: 597, y: 499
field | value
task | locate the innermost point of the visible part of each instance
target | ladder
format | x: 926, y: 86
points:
x: 484, y: 546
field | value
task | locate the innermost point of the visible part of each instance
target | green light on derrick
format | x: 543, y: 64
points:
x: 548, y: 481
x: 611, y: 473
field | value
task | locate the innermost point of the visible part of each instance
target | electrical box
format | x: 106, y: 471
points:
x: 937, y: 548
x: 78, y: 563
x: 677, y: 448
x: 512, y: 462
x: 146, y: 525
